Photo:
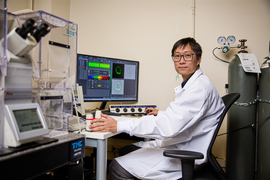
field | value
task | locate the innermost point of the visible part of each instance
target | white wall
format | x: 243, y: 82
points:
x: 138, y: 30
x: 145, y: 30
x: 17, y: 5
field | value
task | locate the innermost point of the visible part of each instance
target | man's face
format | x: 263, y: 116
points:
x: 186, y: 68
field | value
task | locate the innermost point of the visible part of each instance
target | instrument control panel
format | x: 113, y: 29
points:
x: 130, y: 109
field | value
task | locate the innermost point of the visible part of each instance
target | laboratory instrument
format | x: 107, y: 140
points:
x: 225, y: 47
x: 23, y: 120
x: 130, y: 109
x: 34, y: 91
x: 23, y: 124
x: 41, y: 48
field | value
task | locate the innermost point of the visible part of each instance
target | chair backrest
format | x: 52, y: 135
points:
x: 228, y: 100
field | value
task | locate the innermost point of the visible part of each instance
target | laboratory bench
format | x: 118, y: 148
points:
x: 61, y: 155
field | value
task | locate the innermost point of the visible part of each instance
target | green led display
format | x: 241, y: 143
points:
x: 98, y: 65
x: 93, y: 65
x: 104, y: 66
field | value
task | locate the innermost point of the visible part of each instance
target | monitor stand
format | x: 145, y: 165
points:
x: 103, y: 105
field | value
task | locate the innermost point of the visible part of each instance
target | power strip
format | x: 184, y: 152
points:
x: 129, y: 109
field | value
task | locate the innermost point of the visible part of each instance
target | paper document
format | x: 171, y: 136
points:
x: 249, y: 62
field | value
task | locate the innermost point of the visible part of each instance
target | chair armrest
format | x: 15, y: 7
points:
x: 183, y: 154
x: 187, y: 161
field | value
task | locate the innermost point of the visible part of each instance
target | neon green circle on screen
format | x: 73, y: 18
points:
x: 117, y: 86
x: 118, y: 70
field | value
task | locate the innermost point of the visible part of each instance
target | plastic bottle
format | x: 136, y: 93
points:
x: 89, y: 117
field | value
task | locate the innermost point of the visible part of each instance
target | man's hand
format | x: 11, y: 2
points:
x: 106, y: 124
x: 151, y: 111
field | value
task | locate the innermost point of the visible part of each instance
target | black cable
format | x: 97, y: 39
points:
x: 250, y: 125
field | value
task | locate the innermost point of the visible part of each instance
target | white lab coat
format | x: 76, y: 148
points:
x: 187, y: 124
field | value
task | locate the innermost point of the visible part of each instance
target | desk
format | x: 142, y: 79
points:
x: 99, y: 141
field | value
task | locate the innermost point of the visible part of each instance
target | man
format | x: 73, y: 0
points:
x: 187, y: 124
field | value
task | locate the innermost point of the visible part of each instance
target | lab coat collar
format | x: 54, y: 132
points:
x: 190, y: 81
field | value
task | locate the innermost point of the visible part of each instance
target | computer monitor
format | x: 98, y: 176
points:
x: 106, y: 79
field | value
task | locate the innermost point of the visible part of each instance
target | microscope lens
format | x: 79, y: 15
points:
x: 27, y: 27
x: 41, y: 31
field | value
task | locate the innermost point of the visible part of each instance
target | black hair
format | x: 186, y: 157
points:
x: 182, y: 43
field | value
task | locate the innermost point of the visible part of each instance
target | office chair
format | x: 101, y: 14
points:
x: 210, y: 170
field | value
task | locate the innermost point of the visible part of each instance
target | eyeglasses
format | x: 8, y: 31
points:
x: 177, y: 57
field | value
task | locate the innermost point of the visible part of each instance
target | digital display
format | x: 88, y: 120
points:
x: 27, y: 119
x: 107, y: 79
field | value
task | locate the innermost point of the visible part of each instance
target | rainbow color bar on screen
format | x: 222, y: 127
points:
x: 98, y: 65
x: 99, y: 77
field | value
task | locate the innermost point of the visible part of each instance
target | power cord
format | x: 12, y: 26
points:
x: 250, y: 125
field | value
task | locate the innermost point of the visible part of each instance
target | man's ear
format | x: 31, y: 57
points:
x: 199, y: 61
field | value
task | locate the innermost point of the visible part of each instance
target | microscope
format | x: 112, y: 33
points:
x: 20, y: 41
x: 23, y: 120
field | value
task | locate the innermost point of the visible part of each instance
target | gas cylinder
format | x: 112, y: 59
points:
x: 240, y: 158
x: 264, y: 125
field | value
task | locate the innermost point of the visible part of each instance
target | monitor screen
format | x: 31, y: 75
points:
x: 107, y: 79
x: 27, y: 119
